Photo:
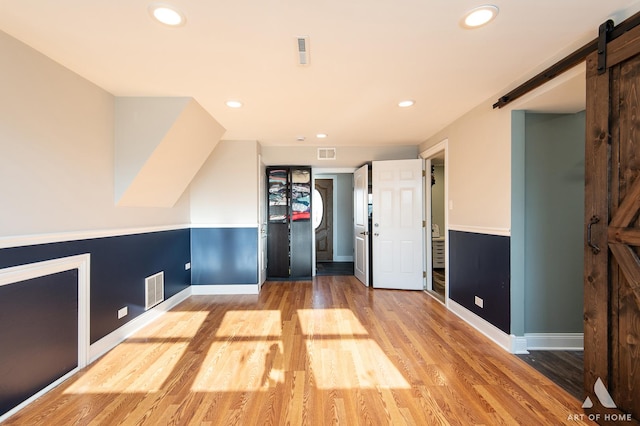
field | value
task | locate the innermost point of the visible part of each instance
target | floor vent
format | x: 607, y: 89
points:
x: 154, y: 290
x: 326, y: 153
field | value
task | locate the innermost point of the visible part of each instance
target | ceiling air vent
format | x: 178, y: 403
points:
x: 326, y: 153
x: 303, y: 50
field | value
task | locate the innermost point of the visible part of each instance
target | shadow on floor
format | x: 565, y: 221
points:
x: 334, y: 268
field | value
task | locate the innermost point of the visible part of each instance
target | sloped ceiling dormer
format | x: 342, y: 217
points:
x: 160, y: 144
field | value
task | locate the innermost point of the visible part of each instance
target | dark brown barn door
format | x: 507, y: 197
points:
x: 612, y: 268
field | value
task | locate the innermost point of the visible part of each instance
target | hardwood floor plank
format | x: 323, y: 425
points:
x: 329, y: 351
x: 565, y: 368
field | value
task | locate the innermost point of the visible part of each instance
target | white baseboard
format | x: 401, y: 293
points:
x: 343, y: 258
x: 37, y: 395
x: 221, y: 289
x: 555, y: 341
x: 508, y: 342
x: 29, y: 240
x: 111, y: 340
x: 480, y: 230
x: 519, y: 345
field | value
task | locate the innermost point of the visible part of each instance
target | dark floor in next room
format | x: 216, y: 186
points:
x: 564, y: 368
x: 334, y: 268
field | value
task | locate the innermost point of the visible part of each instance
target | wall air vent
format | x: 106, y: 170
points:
x: 153, y: 290
x: 302, y: 43
x: 326, y: 153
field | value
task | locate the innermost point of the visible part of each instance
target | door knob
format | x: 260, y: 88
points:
x: 364, y: 233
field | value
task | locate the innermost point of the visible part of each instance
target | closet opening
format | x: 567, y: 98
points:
x: 436, y: 274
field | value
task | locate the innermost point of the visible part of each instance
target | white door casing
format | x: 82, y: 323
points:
x: 262, y: 222
x: 398, y: 246
x: 361, y: 224
x: 428, y: 214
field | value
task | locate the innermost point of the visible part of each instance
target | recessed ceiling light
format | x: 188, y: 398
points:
x: 234, y: 104
x: 300, y: 138
x: 321, y: 135
x: 167, y: 14
x: 480, y: 16
x: 406, y: 104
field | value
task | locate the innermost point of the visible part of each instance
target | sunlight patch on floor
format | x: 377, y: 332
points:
x: 135, y: 377
x: 240, y: 366
x: 243, y: 324
x: 185, y: 324
x: 352, y: 363
x: 340, y: 353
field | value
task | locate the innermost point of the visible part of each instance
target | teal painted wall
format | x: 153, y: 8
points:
x: 344, y: 215
x: 517, y: 247
x: 553, y: 222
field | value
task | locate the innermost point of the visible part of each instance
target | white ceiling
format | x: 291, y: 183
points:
x: 365, y: 56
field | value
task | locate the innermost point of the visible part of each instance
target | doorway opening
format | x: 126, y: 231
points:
x: 333, y: 218
x: 552, y: 236
x: 547, y: 233
x: 436, y: 244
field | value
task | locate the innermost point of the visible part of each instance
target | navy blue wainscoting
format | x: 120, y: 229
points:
x: 38, y: 335
x: 119, y: 266
x: 224, y: 256
x: 479, y: 265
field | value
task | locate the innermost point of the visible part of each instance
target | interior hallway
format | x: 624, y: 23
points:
x: 322, y: 352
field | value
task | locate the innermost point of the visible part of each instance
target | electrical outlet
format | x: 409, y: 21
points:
x: 479, y: 302
x: 187, y: 266
x: 123, y: 312
x: 450, y: 204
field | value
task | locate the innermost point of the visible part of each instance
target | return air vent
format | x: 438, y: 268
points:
x: 303, y: 50
x: 154, y: 290
x: 326, y: 153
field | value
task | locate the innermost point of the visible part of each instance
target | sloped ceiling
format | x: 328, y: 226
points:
x: 365, y: 56
x: 160, y: 144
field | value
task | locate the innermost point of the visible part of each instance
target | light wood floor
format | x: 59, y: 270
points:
x: 327, y: 352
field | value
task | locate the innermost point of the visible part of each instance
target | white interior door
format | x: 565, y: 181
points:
x: 361, y: 224
x: 398, y: 245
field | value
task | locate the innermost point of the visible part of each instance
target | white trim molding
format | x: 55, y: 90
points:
x: 82, y: 263
x: 37, y: 395
x: 508, y: 342
x: 31, y: 240
x: 506, y: 232
x: 224, y: 289
x: 223, y: 225
x: 114, y: 338
x: 443, y: 145
x: 330, y: 170
x: 555, y: 341
x: 519, y: 345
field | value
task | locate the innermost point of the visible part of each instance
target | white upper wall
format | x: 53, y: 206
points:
x: 346, y: 156
x: 479, y: 150
x: 170, y: 159
x: 57, y: 152
x: 140, y: 126
x: 225, y: 190
x: 480, y: 153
